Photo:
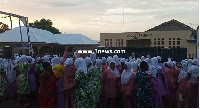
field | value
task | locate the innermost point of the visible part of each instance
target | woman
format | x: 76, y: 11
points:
x: 182, y: 80
x: 3, y: 78
x: 58, y: 70
x: 110, y: 85
x: 47, y: 95
x: 68, y: 83
x: 171, y: 84
x: 144, y: 90
x: 127, y: 83
x: 94, y: 77
x: 81, y: 84
x: 157, y: 85
x: 23, y: 80
x: 104, y: 65
x: 32, y: 80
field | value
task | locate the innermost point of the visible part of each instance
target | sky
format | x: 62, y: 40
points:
x: 92, y: 17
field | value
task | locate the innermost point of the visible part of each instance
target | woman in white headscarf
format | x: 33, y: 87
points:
x: 157, y: 83
x: 191, y: 87
x: 127, y: 85
x: 182, y: 80
x: 88, y: 63
x: 3, y: 78
x: 81, y: 93
x: 110, y: 83
x: 94, y: 77
x: 171, y: 84
x: 93, y: 58
x: 68, y: 83
x: 24, y: 87
x: 104, y: 64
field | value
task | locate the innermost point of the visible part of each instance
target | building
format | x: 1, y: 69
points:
x: 171, y: 34
x: 44, y: 42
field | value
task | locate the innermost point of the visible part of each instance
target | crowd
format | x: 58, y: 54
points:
x: 90, y: 82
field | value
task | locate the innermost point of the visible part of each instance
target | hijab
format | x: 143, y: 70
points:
x: 55, y: 61
x: 182, y: 73
x: 81, y: 65
x: 126, y: 74
x: 98, y: 63
x: 114, y: 71
x: 104, y: 60
x: 68, y: 62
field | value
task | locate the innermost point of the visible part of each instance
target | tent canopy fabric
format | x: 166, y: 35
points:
x: 43, y: 36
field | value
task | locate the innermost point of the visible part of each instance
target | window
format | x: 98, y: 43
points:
x: 116, y: 42
x: 173, y: 38
x: 173, y: 42
x: 158, y: 42
x: 169, y: 38
x: 122, y: 42
x: 111, y: 44
x: 162, y: 38
x: 169, y: 42
x: 178, y: 42
x: 178, y: 46
x: 111, y: 40
x: 119, y: 42
x: 158, y: 38
x: 162, y: 43
x: 154, y: 42
x: 154, y: 38
x: 107, y: 39
x: 169, y: 46
x: 178, y: 39
x: 162, y: 46
x: 173, y: 46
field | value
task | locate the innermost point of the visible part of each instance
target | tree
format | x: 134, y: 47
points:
x: 3, y: 27
x: 45, y: 25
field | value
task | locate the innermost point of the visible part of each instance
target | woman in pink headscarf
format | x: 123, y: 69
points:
x: 110, y: 85
x: 68, y: 83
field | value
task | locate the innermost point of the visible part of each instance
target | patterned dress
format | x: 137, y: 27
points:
x: 2, y: 83
x: 81, y: 92
x: 144, y: 93
x: 94, y: 86
x: 23, y: 80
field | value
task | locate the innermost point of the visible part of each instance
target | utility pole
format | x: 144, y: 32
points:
x: 25, y: 22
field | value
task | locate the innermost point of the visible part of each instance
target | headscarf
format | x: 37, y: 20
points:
x: 80, y: 65
x: 182, y: 73
x: 122, y: 60
x: 126, y: 74
x: 46, y: 59
x: 93, y: 57
x: 68, y: 62
x: 195, y: 61
x: 23, y: 59
x: 104, y: 60
x: 87, y: 61
x: 189, y: 63
x: 155, y: 63
x: 109, y: 59
x: 114, y: 71
x: 98, y: 63
x: 142, y: 58
x: 55, y: 61
x: 116, y: 59
x: 170, y: 63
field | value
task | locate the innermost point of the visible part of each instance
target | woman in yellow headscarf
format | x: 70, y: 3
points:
x: 58, y: 70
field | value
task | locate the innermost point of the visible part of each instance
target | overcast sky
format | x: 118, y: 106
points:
x: 92, y: 17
